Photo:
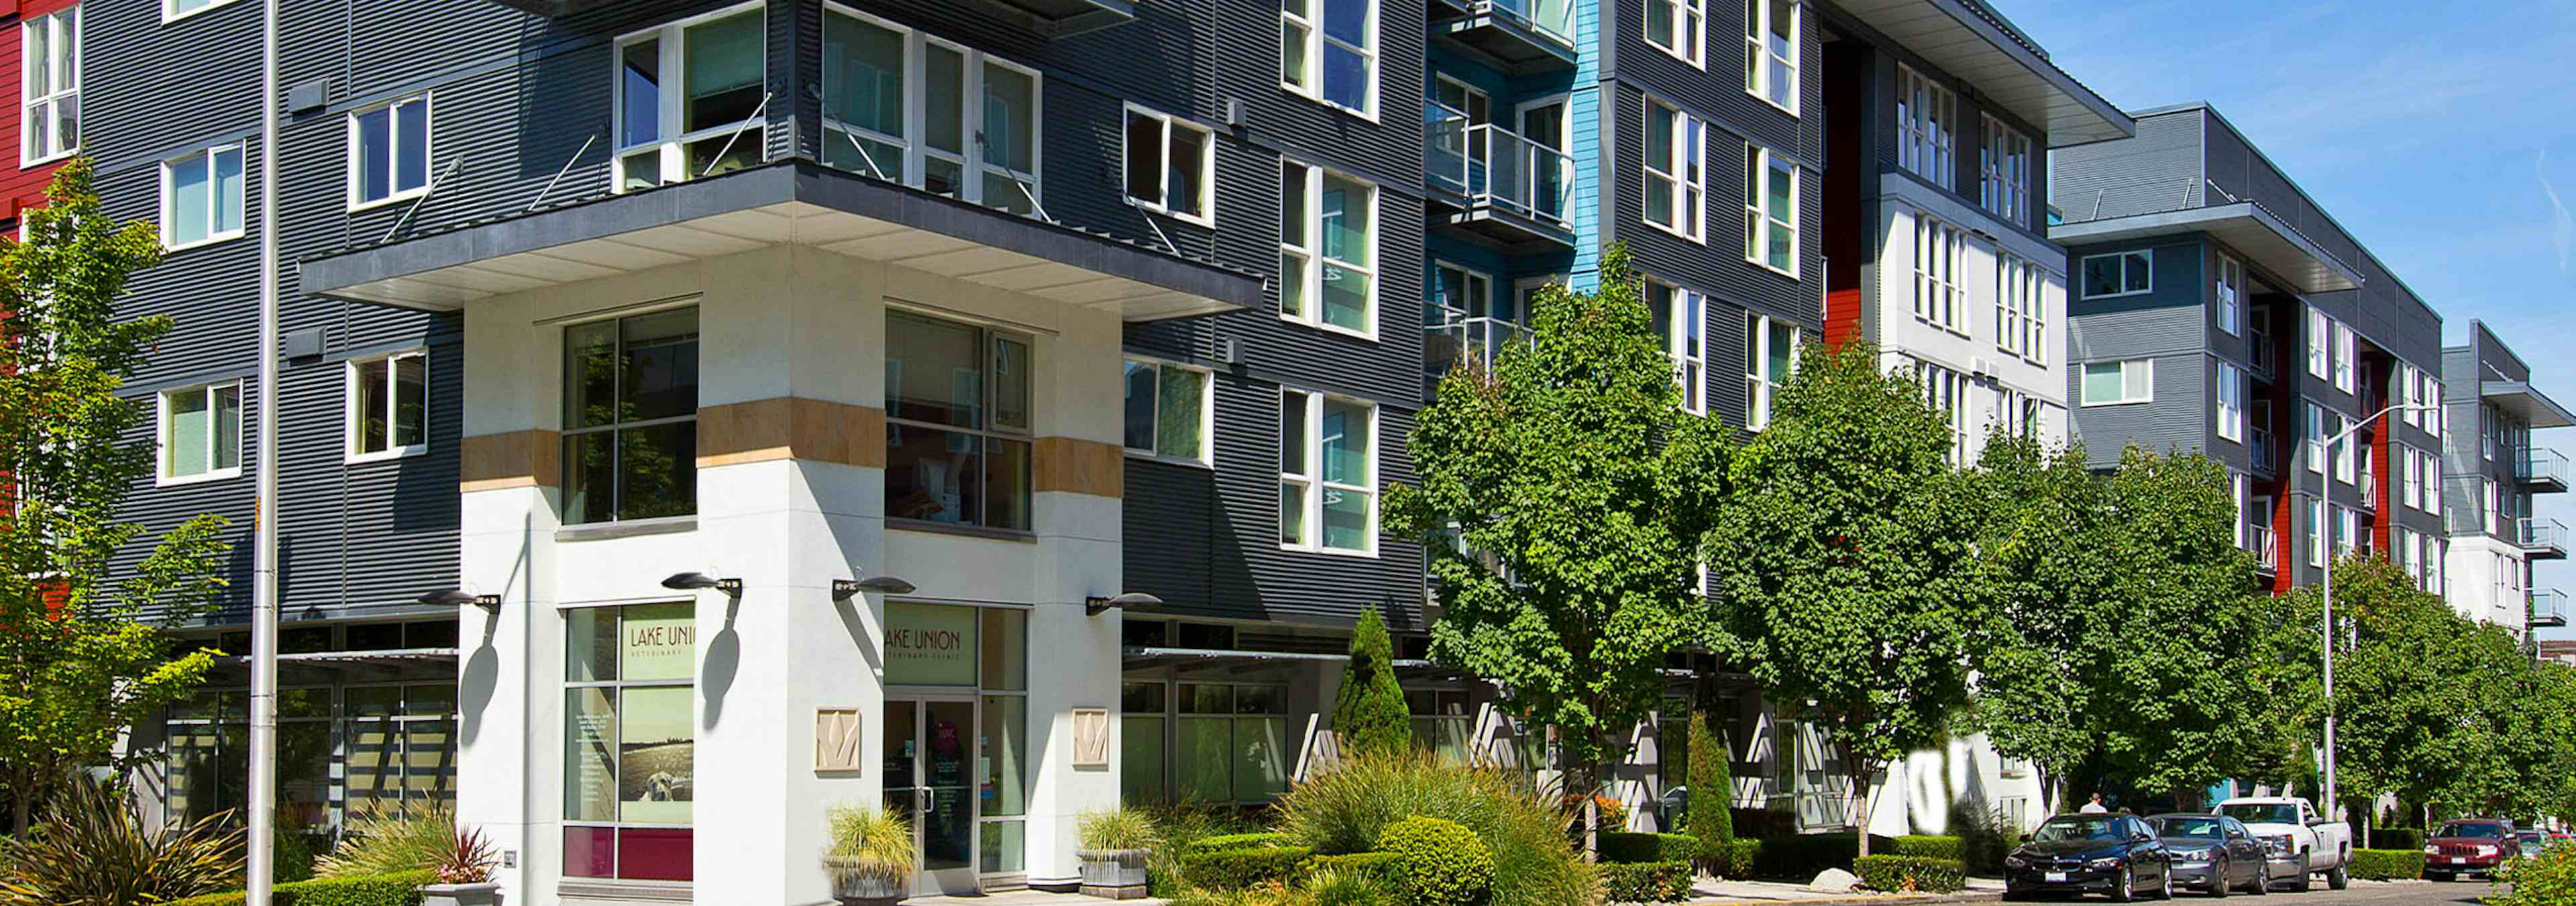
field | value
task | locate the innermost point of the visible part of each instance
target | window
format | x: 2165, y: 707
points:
x: 2319, y: 332
x: 201, y: 197
x: 711, y: 118
x: 2316, y: 533
x: 49, y: 87
x: 1345, y: 45
x: 1678, y: 26
x: 2344, y: 354
x: 1947, y: 392
x: 2242, y: 487
x: 2118, y: 274
x: 1940, y: 268
x: 201, y: 433
x: 180, y: 9
x: 1171, y: 165
x: 2413, y: 488
x: 630, y: 440
x: 1770, y: 211
x: 2433, y: 483
x: 1927, y: 127
x: 1327, y: 249
x: 630, y: 741
x: 1167, y: 410
x: 2116, y: 383
x: 958, y: 423
x: 2020, y: 308
x: 2402, y: 391
x: 1770, y: 354
x: 2347, y: 530
x: 2231, y: 280
x: 389, y: 152
x: 2017, y: 412
x: 389, y: 406
x: 1676, y: 171
x: 2494, y: 511
x: 1771, y: 51
x: 2231, y: 402
x: 2433, y: 417
x: 1681, y: 319
x: 1463, y: 320
x: 2316, y: 438
x: 1327, y: 473
x: 2005, y: 168
x: 2343, y: 449
x: 1230, y: 743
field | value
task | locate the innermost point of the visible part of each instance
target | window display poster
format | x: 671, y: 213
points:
x: 656, y: 755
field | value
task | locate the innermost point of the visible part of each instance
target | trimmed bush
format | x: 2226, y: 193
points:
x: 2397, y: 838
x: 1343, y: 810
x: 2387, y: 864
x: 1369, y: 713
x: 1444, y: 863
x: 1736, y: 861
x: 1801, y: 856
x: 382, y: 890
x: 2548, y: 879
x: 1930, y: 847
x: 1712, y: 785
x: 1235, y: 841
x: 1632, y: 847
x: 1646, y: 882
x: 1386, y: 868
x: 1911, y: 874
x: 1236, y: 869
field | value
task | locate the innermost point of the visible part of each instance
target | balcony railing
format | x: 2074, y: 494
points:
x: 2542, y: 538
x: 1496, y: 168
x: 2266, y: 547
x: 2263, y: 353
x: 1524, y: 36
x: 2260, y: 440
x: 1472, y: 339
x: 2548, y: 608
x: 2541, y: 466
x: 2369, y: 491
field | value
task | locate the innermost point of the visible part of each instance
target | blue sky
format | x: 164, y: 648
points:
x: 2437, y: 133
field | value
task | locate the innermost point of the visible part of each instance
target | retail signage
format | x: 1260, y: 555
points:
x: 929, y: 644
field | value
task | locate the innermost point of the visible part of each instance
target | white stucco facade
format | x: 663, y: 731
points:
x: 2487, y: 579
x: 2008, y: 358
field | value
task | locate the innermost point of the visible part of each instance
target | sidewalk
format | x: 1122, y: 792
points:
x: 1714, y: 892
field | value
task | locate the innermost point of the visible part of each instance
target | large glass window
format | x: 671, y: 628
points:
x: 1676, y: 170
x: 1680, y: 319
x: 1167, y: 410
x: 2004, y: 168
x: 2231, y: 402
x: 1770, y: 354
x: 2118, y: 274
x: 201, y: 432
x: 2115, y: 383
x: 2320, y: 333
x: 1327, y: 249
x: 49, y: 86
x: 1940, y: 269
x: 958, y: 423
x: 1327, y: 473
x: 2231, y: 284
x: 1927, y: 127
x: 1171, y: 165
x: 630, y: 741
x: 389, y: 152
x: 1143, y: 718
x: 1946, y: 391
x: 1770, y: 211
x: 201, y: 197
x: 1342, y: 35
x: 1771, y: 51
x: 1231, y: 743
x: 692, y: 99
x: 1678, y: 26
x: 908, y: 107
x: 2020, y: 316
x: 1463, y: 319
x: 1442, y: 722
x: 630, y: 441
x: 389, y: 405
x: 2345, y: 356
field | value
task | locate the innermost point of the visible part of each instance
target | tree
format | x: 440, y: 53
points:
x: 2046, y: 551
x: 1712, y: 787
x: 1843, y: 565
x: 1562, y: 495
x: 1369, y: 716
x: 78, y: 663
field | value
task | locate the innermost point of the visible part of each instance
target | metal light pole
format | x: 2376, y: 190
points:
x: 2325, y: 511
x: 263, y: 589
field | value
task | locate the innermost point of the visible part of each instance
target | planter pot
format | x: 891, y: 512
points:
x: 863, y: 882
x: 1117, y: 874
x: 487, y: 894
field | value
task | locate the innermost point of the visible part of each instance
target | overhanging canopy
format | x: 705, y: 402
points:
x: 2519, y: 399
x: 2244, y: 226
x: 1965, y: 40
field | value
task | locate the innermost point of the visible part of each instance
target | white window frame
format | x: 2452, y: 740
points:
x: 671, y: 143
x: 1689, y: 21
x: 2320, y: 342
x: 393, y: 152
x: 2087, y: 401
x: 1312, y: 44
x: 1946, y: 391
x: 2316, y: 532
x: 1927, y: 127
x: 2230, y: 290
x: 1940, y: 268
x: 2434, y: 417
x: 2402, y: 390
x: 2345, y: 351
x: 1760, y: 392
x: 214, y: 203
x: 1760, y: 222
x: 1311, y: 253
x: 1689, y: 188
x: 1758, y: 58
x: 2004, y: 170
x: 393, y: 403
x: 2147, y: 260
x: 2313, y: 435
x: 2413, y: 489
x: 2020, y: 295
x: 2231, y: 402
x: 161, y: 432
x: 1314, y: 483
x: 1686, y: 314
x: 2433, y: 483
x: 1206, y: 165
x: 2347, y: 530
x: 2343, y: 451
x: 63, y: 73
x: 170, y: 10
x: 2241, y: 486
x: 1207, y: 414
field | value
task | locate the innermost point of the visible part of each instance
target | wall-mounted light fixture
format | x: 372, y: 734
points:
x: 458, y: 597
x: 1134, y: 600
x: 844, y: 589
x: 700, y: 581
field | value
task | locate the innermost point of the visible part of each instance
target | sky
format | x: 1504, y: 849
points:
x: 2438, y: 134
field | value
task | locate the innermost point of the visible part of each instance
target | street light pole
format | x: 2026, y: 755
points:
x: 262, y: 803
x: 2325, y: 512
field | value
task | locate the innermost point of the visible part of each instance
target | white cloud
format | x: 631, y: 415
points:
x: 2563, y: 228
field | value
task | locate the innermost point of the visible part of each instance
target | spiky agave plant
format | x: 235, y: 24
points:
x: 387, y: 839
x: 95, y: 850
x: 468, y: 859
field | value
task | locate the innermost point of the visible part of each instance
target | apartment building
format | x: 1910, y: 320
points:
x: 2494, y: 471
x: 2219, y: 309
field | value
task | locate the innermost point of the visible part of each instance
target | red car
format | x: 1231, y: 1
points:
x: 2469, y: 847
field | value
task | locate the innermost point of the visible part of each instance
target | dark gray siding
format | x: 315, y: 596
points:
x: 2159, y: 170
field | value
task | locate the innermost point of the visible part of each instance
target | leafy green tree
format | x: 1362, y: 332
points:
x: 1843, y: 566
x: 1562, y: 496
x: 78, y: 663
x: 2046, y: 547
x: 1712, y: 786
x: 1369, y: 716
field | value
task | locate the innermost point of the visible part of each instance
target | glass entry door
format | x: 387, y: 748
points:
x: 930, y: 779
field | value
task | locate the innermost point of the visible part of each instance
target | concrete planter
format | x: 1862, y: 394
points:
x: 1117, y: 874
x: 486, y: 894
x: 861, y: 882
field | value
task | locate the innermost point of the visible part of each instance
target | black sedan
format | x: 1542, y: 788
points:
x: 2213, y: 854
x: 2117, y: 855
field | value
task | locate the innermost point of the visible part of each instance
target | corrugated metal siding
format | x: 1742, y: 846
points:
x: 2159, y: 170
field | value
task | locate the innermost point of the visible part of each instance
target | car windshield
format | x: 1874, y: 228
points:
x: 2264, y: 812
x: 2480, y: 831
x: 2062, y: 829
x: 2191, y: 827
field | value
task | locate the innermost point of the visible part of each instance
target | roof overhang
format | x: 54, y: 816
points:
x: 788, y: 203
x: 1243, y: 660
x: 2518, y: 399
x: 402, y: 663
x: 1968, y: 43
x: 1047, y: 18
x: 2244, y: 226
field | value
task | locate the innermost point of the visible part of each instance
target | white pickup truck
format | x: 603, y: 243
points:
x: 2292, y: 832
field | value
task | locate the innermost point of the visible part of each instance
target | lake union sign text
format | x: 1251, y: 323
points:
x: 929, y: 644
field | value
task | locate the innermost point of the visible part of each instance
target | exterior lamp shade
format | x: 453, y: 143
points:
x: 1134, y: 600
x: 701, y: 581
x: 844, y: 589
x: 458, y: 597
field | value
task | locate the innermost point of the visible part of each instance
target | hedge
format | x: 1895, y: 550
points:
x: 381, y: 890
x: 1735, y: 859
x: 2387, y: 864
x: 1646, y: 882
x: 1798, y: 857
x: 1911, y: 873
x: 1235, y: 841
x: 2397, y: 838
x: 1633, y: 847
x: 1445, y: 864
x: 1236, y: 869
x: 1385, y: 868
x: 1931, y: 847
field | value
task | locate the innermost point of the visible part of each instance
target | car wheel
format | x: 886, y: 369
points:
x: 2262, y: 877
x: 2165, y: 892
x: 2219, y: 877
x: 2126, y: 889
x: 2339, y: 878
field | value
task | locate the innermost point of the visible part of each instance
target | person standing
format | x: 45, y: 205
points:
x: 2094, y: 807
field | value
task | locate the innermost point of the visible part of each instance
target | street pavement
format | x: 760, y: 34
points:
x: 2377, y: 892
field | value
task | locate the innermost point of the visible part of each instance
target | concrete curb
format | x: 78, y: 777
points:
x: 1878, y: 899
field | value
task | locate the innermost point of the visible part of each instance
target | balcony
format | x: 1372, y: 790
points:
x: 1491, y: 184
x: 1462, y: 339
x: 2548, y: 608
x: 1518, y: 36
x: 1048, y: 19
x: 2541, y: 539
x: 2264, y: 353
x: 2266, y: 548
x: 2369, y: 491
x: 2541, y: 470
x: 2259, y: 443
